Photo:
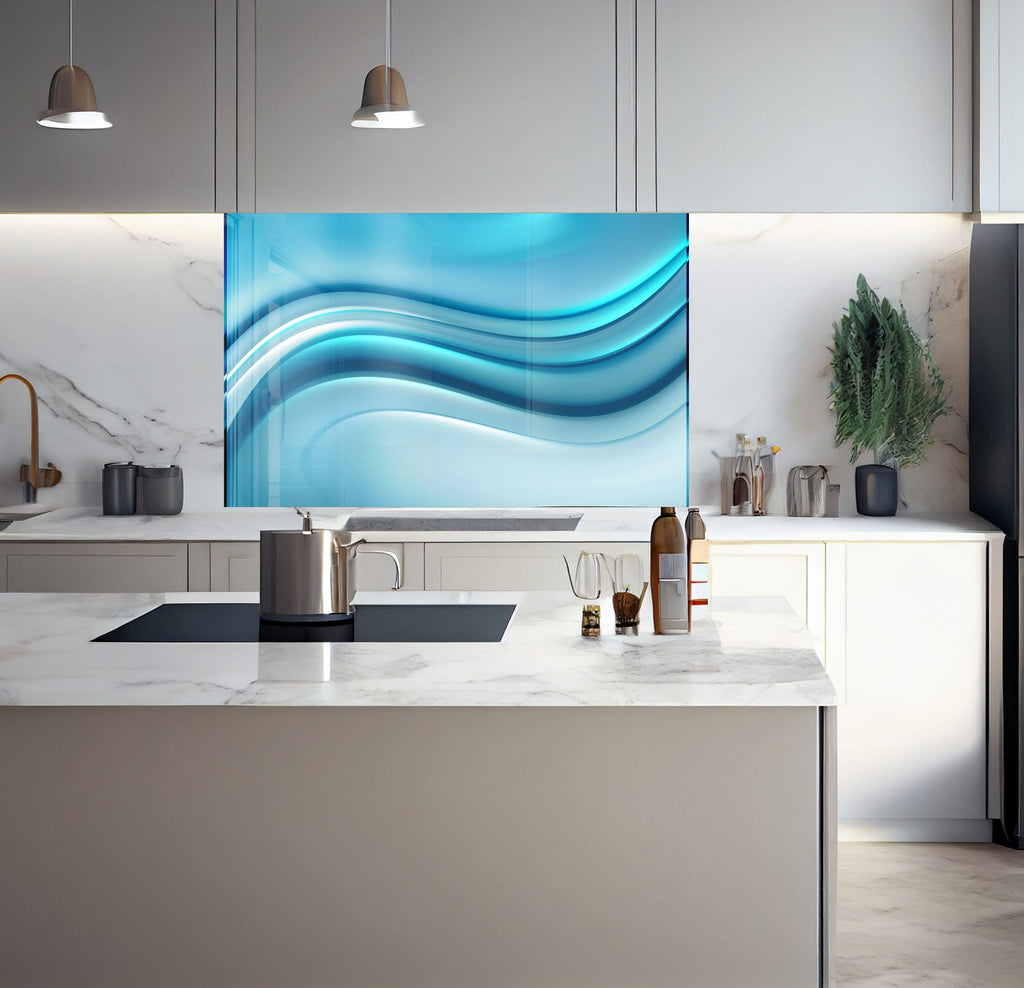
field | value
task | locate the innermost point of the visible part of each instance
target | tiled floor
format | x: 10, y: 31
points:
x: 943, y: 915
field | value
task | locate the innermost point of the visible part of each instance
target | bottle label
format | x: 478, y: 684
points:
x: 672, y: 566
x: 672, y: 597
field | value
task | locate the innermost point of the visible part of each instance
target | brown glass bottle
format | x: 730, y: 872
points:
x: 668, y: 574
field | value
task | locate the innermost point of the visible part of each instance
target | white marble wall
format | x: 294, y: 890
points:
x: 117, y: 320
x: 936, y: 300
x: 765, y: 290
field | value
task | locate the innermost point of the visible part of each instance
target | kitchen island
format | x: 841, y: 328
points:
x: 544, y: 810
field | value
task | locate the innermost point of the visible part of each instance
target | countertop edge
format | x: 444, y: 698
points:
x: 69, y: 525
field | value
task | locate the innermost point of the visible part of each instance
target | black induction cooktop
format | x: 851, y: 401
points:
x: 234, y: 622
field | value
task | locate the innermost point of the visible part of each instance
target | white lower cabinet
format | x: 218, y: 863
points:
x: 794, y: 571
x: 94, y: 567
x: 513, y: 565
x: 912, y: 733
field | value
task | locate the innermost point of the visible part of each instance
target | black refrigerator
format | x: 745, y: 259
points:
x: 996, y: 463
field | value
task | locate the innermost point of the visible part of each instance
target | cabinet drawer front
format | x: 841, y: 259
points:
x: 502, y: 572
x: 97, y: 569
x: 513, y: 565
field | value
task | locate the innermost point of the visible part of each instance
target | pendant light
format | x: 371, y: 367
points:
x: 385, y: 103
x: 72, y: 104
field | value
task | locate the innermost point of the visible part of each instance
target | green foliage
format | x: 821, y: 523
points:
x: 886, y: 391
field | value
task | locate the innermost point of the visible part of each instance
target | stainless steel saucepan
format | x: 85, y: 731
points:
x: 310, y: 572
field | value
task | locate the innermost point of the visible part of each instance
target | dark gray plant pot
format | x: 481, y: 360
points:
x: 878, y: 489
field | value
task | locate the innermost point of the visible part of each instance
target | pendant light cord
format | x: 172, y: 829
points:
x: 387, y: 52
x: 71, y: 32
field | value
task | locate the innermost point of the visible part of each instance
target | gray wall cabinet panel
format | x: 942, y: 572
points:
x: 519, y: 101
x: 999, y: 107
x: 806, y: 106
x: 1011, y: 107
x: 986, y: 105
x: 226, y: 92
x: 153, y: 69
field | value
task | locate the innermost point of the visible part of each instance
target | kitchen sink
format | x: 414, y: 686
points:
x: 463, y: 520
x: 19, y: 512
x: 240, y: 622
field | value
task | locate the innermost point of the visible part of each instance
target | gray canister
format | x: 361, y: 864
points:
x: 806, y: 492
x: 161, y: 490
x: 119, y: 488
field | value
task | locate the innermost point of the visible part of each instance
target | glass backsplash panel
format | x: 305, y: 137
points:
x: 472, y: 359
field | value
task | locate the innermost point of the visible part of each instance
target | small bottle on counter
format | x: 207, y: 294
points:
x: 743, y: 477
x: 759, y: 475
x: 668, y: 574
x: 698, y: 558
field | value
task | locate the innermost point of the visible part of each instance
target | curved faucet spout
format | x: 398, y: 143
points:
x: 30, y: 478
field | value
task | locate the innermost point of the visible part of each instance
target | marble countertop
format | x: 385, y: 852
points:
x: 596, y: 525
x: 753, y: 651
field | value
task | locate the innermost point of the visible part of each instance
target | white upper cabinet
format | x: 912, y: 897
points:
x: 519, y: 102
x: 806, y: 106
x: 153, y: 69
x: 1000, y: 106
x: 546, y: 105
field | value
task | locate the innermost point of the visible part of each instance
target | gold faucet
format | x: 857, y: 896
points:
x: 30, y: 475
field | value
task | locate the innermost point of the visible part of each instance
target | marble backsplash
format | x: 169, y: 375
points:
x: 765, y: 290
x: 118, y: 322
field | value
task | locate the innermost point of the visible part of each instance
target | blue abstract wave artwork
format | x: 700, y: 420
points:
x: 474, y: 359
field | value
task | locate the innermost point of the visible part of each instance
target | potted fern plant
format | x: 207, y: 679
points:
x: 886, y: 393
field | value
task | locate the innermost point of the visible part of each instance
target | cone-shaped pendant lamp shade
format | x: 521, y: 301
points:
x: 376, y: 110
x: 72, y: 102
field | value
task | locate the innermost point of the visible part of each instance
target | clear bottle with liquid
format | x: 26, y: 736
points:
x: 743, y: 477
x: 669, y: 574
x: 762, y: 462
